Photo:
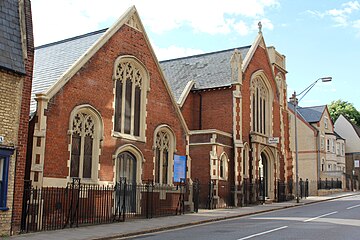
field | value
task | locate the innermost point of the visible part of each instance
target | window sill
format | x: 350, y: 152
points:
x: 4, y: 209
x: 127, y: 136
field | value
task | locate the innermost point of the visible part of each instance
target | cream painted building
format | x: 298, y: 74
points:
x: 321, y: 155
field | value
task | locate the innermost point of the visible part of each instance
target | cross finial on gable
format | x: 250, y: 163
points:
x: 260, y: 26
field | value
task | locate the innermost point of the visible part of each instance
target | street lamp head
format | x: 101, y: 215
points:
x: 326, y: 79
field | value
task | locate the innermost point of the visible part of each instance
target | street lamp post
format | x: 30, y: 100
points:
x: 294, y: 100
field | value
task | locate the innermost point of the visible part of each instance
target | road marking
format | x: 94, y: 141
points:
x: 262, y: 233
x: 353, y: 207
x: 311, y: 219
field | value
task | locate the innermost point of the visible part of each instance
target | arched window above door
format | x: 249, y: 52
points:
x: 261, y: 99
x: 131, y: 85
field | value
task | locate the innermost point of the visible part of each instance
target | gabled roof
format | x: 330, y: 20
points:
x: 312, y: 114
x: 11, y: 52
x: 355, y: 127
x: 52, y: 60
x: 209, y: 70
x: 299, y: 116
x: 66, y: 61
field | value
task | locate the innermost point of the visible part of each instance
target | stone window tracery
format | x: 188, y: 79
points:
x: 130, y: 97
x: 82, y: 145
x: 260, y: 99
x: 164, y: 151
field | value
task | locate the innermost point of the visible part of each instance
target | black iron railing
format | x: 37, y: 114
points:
x: 329, y: 184
x: 51, y: 208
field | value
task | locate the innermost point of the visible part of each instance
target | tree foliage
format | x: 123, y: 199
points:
x: 348, y: 110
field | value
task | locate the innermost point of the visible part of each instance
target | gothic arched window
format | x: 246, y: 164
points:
x: 131, y: 82
x: 84, y: 145
x: 259, y: 106
x: 164, y: 153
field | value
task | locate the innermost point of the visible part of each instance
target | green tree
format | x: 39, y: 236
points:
x: 336, y: 108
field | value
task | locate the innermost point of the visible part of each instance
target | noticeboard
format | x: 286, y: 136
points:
x: 179, y: 167
x: 356, y: 163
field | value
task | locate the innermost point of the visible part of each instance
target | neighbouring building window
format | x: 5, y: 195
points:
x: 329, y: 167
x: 130, y: 93
x: 259, y: 106
x: 333, y: 145
x: 328, y: 145
x: 322, y: 165
x: 85, y: 143
x: 322, y: 142
x: 342, y: 149
x: 326, y: 122
x: 164, y: 155
x: 4, y: 174
x: 337, y: 148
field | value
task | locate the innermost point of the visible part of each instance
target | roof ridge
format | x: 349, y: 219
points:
x: 71, y: 38
x: 314, y: 106
x: 204, y: 54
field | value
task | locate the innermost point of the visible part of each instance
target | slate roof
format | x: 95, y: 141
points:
x: 312, y: 114
x: 11, y: 54
x: 54, y: 59
x: 209, y: 70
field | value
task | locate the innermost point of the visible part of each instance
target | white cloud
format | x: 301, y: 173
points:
x: 56, y: 20
x: 242, y: 28
x: 343, y: 16
x: 172, y: 52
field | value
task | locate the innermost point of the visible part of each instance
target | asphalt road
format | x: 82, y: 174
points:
x: 332, y: 220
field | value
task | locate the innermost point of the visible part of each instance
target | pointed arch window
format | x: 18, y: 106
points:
x: 259, y: 106
x: 130, y: 98
x: 85, y: 143
x: 164, y: 153
x: 223, y: 166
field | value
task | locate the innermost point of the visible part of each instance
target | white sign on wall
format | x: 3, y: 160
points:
x: 2, y: 139
x: 273, y: 140
x: 356, y: 163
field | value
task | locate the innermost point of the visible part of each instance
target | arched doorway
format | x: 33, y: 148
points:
x: 126, y: 182
x: 126, y: 167
x: 264, y: 175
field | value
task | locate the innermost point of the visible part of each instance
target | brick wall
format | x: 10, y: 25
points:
x: 210, y: 109
x: 93, y: 85
x: 11, y: 86
x: 24, y: 120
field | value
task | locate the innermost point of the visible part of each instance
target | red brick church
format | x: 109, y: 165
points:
x: 234, y: 104
x: 105, y: 109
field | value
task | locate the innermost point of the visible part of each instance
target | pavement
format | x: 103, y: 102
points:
x: 140, y: 226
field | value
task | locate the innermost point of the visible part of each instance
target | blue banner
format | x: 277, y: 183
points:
x: 179, y: 167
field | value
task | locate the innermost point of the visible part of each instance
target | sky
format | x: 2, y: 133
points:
x: 319, y: 38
